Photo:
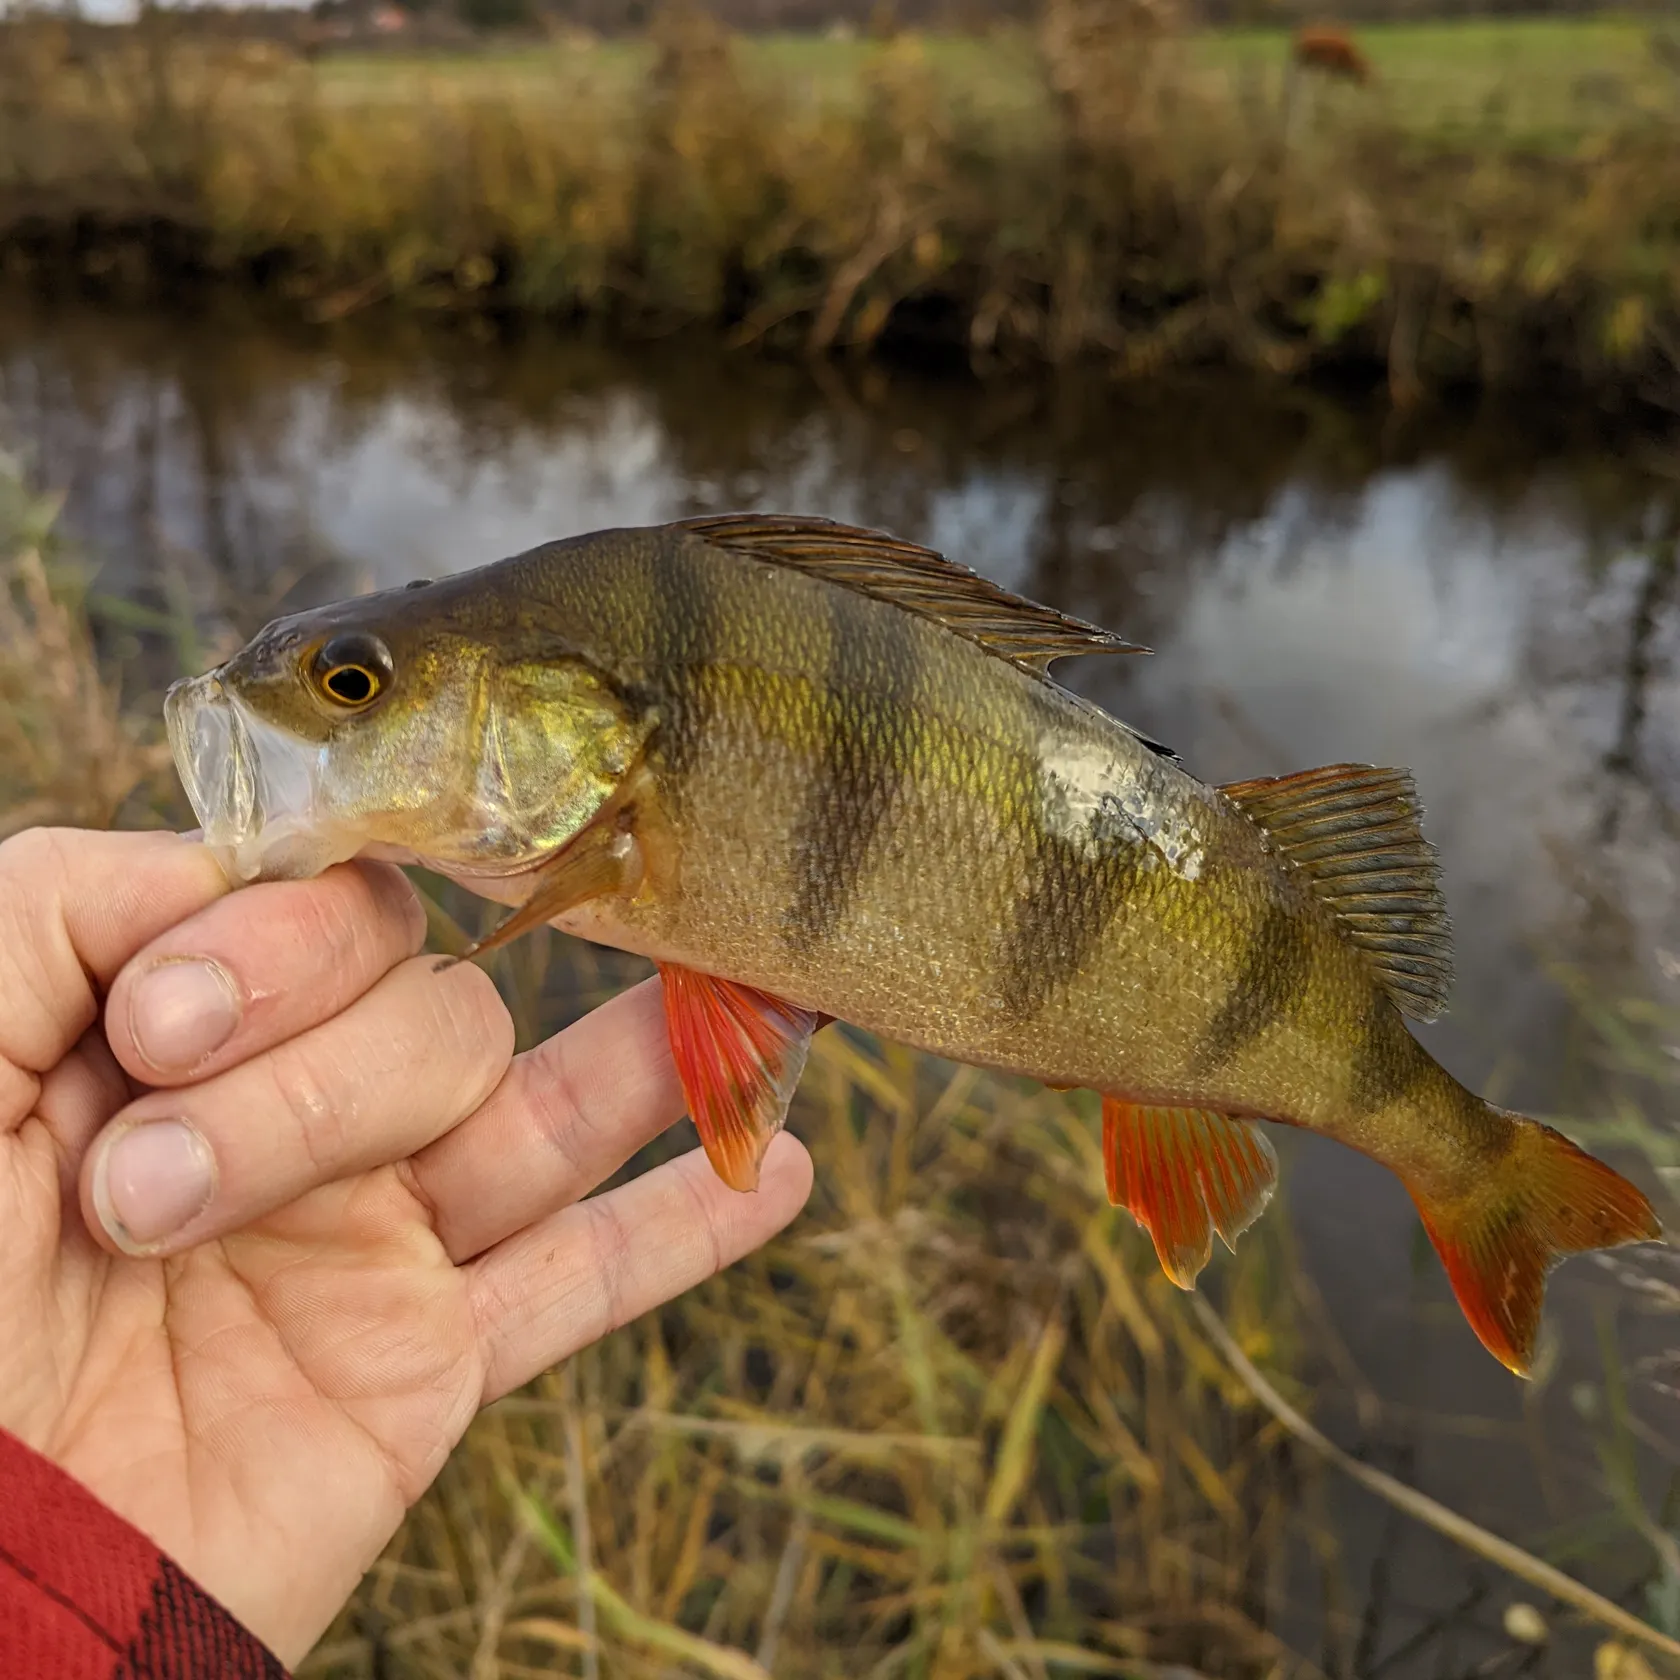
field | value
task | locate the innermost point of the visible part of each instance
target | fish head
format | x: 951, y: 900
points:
x: 413, y: 724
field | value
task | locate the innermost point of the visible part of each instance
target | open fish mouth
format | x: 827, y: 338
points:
x: 258, y: 792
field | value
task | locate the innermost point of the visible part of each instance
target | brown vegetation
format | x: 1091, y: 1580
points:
x: 67, y: 753
x: 1152, y: 214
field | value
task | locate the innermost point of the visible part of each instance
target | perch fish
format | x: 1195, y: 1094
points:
x: 813, y: 771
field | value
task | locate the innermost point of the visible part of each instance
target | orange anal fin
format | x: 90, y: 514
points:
x: 1184, y: 1173
x: 1546, y: 1199
x: 598, y: 862
x: 739, y: 1053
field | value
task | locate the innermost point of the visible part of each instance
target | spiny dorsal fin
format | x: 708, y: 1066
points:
x: 1354, y: 829
x: 918, y: 579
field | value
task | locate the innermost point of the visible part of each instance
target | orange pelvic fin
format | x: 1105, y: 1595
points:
x: 1546, y: 1199
x: 739, y: 1053
x: 1184, y: 1173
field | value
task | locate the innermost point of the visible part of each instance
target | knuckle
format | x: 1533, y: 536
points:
x: 36, y: 857
x: 305, y: 1093
x: 705, y: 1221
x: 18, y: 917
x: 397, y: 904
x: 608, y: 1245
x: 334, y: 919
x: 48, y: 999
x: 339, y: 926
x: 474, y: 1030
x: 560, y: 1119
x: 489, y: 1301
x: 382, y: 918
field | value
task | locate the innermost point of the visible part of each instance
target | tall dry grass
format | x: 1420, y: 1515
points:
x: 938, y: 1430
x: 1149, y: 211
x: 68, y: 754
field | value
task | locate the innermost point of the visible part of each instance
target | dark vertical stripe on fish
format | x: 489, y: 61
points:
x: 683, y: 613
x: 868, y: 733
x: 1075, y: 889
x: 1273, y: 976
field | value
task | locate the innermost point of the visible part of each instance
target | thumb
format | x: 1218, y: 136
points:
x: 75, y: 905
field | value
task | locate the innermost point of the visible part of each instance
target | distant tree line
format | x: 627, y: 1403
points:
x: 616, y: 17
x: 400, y: 23
x: 610, y: 17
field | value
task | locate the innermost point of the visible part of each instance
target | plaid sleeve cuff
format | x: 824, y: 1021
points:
x: 85, y: 1596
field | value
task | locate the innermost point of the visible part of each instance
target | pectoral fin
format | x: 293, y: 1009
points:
x: 1184, y: 1173
x: 599, y: 861
x: 739, y: 1053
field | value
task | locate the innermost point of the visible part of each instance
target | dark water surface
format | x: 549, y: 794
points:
x: 1494, y: 606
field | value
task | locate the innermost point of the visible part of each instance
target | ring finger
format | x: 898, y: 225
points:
x: 569, y: 1114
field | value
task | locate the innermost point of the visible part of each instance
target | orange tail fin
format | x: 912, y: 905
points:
x: 1546, y: 1199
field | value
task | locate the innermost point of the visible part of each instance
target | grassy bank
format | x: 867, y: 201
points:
x: 1497, y: 208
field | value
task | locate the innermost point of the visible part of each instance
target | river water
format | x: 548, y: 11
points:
x: 1490, y: 599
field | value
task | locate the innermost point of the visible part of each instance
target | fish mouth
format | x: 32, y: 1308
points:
x: 256, y: 790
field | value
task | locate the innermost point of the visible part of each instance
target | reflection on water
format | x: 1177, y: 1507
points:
x: 1497, y: 610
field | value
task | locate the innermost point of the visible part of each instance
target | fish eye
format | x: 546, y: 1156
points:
x: 351, y: 670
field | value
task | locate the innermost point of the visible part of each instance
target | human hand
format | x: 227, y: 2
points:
x: 280, y: 1210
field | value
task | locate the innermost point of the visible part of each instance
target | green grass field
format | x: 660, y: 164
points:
x: 1517, y: 82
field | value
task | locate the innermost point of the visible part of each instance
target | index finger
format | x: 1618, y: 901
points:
x: 258, y: 968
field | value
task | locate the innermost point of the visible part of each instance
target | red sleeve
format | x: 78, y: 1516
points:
x: 85, y: 1596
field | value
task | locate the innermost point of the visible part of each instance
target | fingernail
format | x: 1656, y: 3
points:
x: 149, y: 1182
x: 181, y: 1011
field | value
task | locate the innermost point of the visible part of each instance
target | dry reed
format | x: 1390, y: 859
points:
x: 67, y: 753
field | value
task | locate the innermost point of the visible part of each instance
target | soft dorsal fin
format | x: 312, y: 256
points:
x: 918, y: 579
x: 1354, y: 830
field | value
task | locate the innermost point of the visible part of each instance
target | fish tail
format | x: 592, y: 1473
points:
x: 1539, y: 1200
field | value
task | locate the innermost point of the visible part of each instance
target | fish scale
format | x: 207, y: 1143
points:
x: 815, y: 772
